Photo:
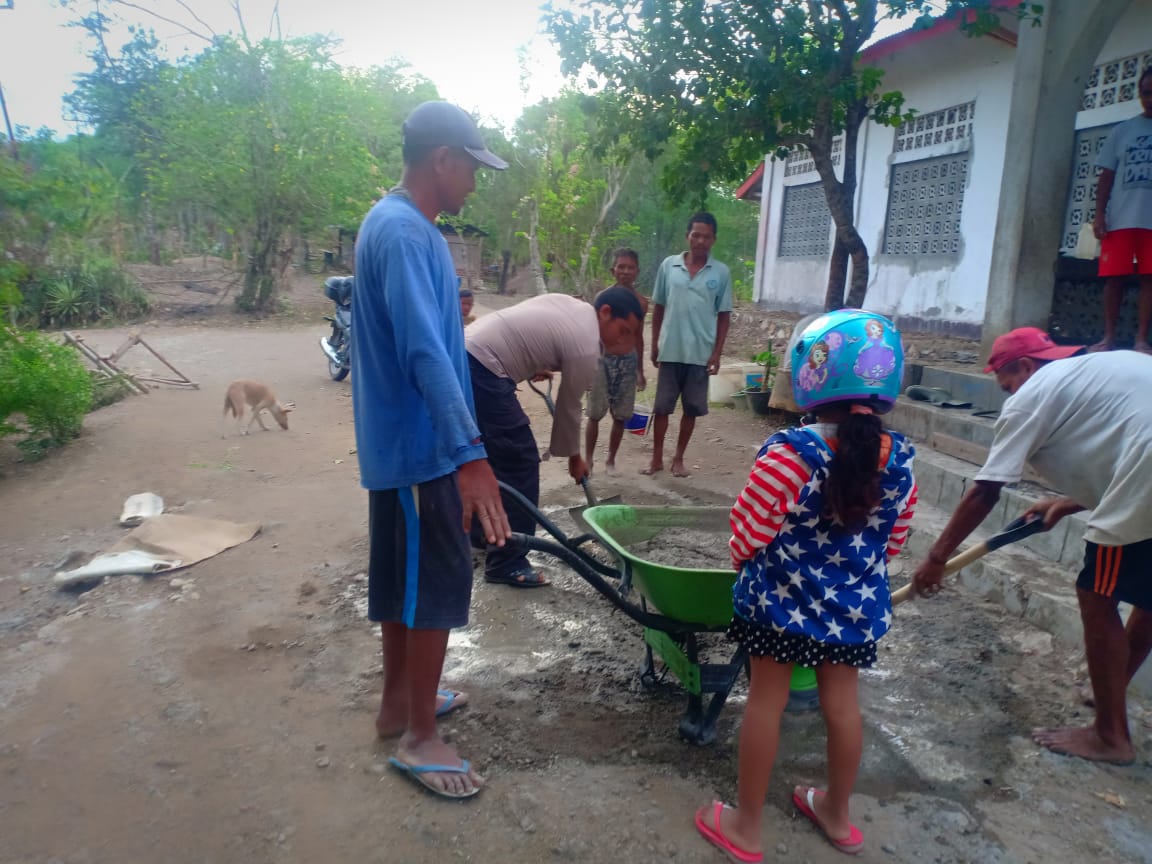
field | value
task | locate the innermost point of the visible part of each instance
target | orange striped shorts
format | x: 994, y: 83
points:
x: 1120, y: 572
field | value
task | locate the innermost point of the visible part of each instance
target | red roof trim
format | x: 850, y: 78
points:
x: 915, y: 35
x: 756, y: 177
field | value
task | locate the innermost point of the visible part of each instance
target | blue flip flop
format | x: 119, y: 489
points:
x: 417, y: 772
x: 450, y: 697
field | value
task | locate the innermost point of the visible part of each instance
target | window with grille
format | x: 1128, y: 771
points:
x: 937, y: 127
x: 805, y: 222
x: 1081, y: 207
x: 925, y: 200
x: 800, y: 161
x: 1115, y: 81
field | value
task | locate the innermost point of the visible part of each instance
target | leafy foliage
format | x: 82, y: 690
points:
x: 45, y: 385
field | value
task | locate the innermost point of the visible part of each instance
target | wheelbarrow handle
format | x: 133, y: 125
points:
x: 583, y: 567
x: 1013, y: 532
x: 547, y: 397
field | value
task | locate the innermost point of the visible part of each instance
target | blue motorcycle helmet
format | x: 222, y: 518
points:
x: 847, y: 356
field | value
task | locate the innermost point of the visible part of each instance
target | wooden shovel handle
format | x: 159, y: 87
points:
x: 1013, y: 532
x: 957, y: 562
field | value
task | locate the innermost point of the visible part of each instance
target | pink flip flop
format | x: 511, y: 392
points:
x: 715, y: 836
x: 850, y: 845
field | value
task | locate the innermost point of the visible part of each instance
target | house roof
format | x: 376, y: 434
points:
x: 915, y: 35
x: 750, y: 189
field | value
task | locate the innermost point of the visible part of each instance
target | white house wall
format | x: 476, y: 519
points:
x: 1131, y: 35
x: 938, y: 292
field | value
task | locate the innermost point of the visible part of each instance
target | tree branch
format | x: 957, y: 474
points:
x: 243, y: 27
x: 192, y: 12
x: 165, y: 19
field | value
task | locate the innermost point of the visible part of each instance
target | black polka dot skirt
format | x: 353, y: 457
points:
x: 763, y: 641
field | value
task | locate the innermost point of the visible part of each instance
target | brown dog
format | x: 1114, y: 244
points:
x: 257, y: 396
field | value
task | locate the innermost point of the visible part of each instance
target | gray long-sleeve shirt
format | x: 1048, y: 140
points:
x: 550, y: 333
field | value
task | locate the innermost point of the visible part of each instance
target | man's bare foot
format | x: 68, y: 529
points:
x: 1102, y: 345
x: 610, y: 469
x: 653, y: 468
x: 434, y: 751
x: 1142, y: 347
x: 1085, y: 742
x: 678, y: 469
x: 390, y: 723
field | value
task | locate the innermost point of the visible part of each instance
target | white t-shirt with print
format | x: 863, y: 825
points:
x: 1128, y: 152
x: 1085, y: 424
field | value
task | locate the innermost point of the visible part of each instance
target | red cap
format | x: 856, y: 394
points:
x: 1027, y: 342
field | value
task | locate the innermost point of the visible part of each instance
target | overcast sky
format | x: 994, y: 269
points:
x: 469, y: 49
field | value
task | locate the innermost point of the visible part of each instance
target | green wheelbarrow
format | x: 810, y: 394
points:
x: 674, y: 605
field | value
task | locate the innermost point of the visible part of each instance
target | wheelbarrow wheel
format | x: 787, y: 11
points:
x: 695, y: 730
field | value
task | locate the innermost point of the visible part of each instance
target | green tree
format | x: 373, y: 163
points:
x: 259, y: 135
x: 737, y: 80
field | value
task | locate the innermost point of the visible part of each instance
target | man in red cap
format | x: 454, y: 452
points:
x: 1085, y: 424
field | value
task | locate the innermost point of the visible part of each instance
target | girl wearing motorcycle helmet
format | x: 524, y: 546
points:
x: 824, y: 508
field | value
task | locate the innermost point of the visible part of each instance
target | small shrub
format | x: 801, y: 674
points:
x: 66, y: 303
x: 78, y: 294
x: 45, y: 383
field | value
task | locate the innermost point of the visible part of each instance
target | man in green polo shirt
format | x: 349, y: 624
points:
x: 691, y: 311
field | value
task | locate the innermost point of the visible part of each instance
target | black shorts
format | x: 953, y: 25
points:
x: 685, y: 381
x: 804, y: 651
x: 1121, y: 572
x: 419, y: 558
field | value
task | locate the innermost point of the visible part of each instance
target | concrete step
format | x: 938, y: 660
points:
x: 943, y: 479
x: 1041, y: 591
x: 966, y: 385
x: 922, y: 420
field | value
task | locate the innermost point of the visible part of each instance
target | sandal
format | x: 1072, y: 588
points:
x: 708, y: 824
x: 525, y: 577
x: 853, y: 844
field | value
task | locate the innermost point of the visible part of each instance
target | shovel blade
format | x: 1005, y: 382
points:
x: 577, y: 513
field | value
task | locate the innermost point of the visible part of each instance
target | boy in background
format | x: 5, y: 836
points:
x: 619, y: 375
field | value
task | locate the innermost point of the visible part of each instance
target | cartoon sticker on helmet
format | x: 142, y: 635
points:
x: 821, y: 362
x: 815, y: 372
x: 876, y: 360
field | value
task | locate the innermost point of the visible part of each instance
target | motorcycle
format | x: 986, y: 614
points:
x: 338, y: 347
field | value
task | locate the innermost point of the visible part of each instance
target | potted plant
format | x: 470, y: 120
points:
x: 758, y: 397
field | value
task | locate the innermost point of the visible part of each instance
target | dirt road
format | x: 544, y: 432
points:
x: 231, y: 718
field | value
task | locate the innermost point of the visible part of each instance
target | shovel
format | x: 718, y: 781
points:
x: 1016, y: 530
x: 577, y: 513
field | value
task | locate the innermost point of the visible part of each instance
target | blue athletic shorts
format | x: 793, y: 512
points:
x: 419, y: 558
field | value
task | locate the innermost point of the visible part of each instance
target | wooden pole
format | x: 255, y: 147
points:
x: 183, y: 378
x: 8, y: 121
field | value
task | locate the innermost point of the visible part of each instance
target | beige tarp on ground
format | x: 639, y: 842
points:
x: 162, y: 543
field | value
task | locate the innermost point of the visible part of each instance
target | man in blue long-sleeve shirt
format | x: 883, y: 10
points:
x: 421, y: 455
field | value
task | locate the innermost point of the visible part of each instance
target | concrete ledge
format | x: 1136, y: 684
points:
x: 943, y: 479
x: 921, y: 419
x: 976, y: 387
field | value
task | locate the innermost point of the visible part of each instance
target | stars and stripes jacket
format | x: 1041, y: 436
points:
x: 801, y: 573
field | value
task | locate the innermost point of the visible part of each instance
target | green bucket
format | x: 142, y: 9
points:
x: 803, y: 679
